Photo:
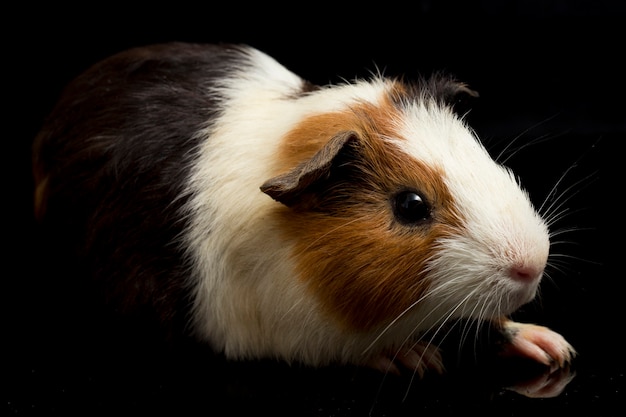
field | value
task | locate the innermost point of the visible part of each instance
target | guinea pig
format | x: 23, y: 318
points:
x: 212, y: 190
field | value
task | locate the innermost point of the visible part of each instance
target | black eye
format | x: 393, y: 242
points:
x: 410, y: 207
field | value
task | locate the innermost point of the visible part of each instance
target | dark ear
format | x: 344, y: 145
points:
x: 452, y: 92
x: 286, y: 188
x: 461, y: 98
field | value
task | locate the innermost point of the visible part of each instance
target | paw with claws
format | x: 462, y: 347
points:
x: 537, y: 343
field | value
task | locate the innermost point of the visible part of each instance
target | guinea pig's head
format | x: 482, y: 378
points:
x: 396, y: 210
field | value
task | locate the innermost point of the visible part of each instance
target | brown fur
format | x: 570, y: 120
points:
x: 339, y: 222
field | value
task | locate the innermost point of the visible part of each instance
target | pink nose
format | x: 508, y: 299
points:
x: 526, y: 272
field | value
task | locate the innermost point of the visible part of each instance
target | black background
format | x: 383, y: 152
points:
x: 550, y: 76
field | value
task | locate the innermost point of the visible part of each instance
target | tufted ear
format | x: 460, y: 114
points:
x: 286, y: 188
x: 453, y: 93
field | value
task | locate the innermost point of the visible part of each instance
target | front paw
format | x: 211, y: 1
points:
x: 537, y: 343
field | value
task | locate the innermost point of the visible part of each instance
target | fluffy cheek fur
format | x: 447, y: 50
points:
x: 468, y: 281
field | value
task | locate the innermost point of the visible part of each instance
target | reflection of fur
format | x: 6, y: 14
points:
x: 154, y: 165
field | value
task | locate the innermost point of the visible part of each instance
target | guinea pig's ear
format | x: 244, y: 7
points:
x: 462, y: 99
x: 454, y: 93
x: 286, y: 188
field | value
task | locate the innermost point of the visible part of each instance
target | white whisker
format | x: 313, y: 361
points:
x: 431, y: 292
x: 560, y: 256
x: 568, y: 230
x: 562, y: 199
x: 516, y: 138
x: 442, y: 322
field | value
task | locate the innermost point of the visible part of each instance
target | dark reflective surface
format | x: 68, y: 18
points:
x: 551, y: 82
x: 111, y: 381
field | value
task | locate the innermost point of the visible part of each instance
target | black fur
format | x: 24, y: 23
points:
x: 117, y: 151
x: 444, y: 89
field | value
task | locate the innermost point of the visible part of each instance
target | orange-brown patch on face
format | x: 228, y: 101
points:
x: 309, y: 136
x: 364, y: 266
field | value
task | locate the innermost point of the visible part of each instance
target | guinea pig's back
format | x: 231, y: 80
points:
x: 148, y: 96
x: 111, y: 166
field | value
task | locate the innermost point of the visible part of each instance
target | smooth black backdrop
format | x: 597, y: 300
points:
x: 550, y: 77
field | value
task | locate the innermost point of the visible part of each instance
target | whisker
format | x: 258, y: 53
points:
x: 435, y: 290
x: 546, y: 273
x: 431, y: 292
x: 561, y: 200
x: 532, y: 142
x: 553, y: 191
x: 482, y: 318
x: 465, y: 332
x: 561, y: 256
x: 516, y: 138
x: 560, y: 267
x: 562, y: 231
x: 443, y: 322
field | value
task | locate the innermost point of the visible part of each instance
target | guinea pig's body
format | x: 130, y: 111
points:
x: 208, y: 186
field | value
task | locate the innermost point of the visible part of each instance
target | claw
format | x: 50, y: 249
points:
x: 537, y: 343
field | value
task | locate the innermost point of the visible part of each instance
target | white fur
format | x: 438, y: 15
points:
x: 248, y: 301
x: 501, y: 228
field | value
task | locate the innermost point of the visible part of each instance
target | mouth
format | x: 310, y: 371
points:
x: 499, y: 300
x: 517, y: 297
